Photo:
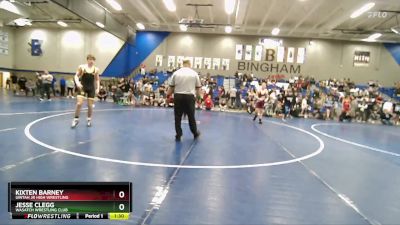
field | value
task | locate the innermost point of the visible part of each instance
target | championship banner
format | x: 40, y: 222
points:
x: 171, y: 61
x: 159, y: 60
x: 249, y: 51
x: 239, y: 52
x: 216, y: 63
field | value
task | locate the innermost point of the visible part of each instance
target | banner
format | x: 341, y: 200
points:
x: 198, y: 62
x: 180, y: 61
x: 301, y: 55
x: 361, y: 59
x: 225, y: 64
x: 280, y: 58
x: 207, y: 63
x: 249, y: 51
x: 36, y: 47
x: 3, y: 43
x: 159, y: 59
x: 290, y: 55
x: 216, y: 63
x: 171, y: 61
x: 239, y: 52
x: 258, y: 53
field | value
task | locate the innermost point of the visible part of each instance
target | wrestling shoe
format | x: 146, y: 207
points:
x: 75, y: 122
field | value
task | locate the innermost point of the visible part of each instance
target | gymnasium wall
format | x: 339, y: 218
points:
x: 63, y: 49
x: 324, y: 59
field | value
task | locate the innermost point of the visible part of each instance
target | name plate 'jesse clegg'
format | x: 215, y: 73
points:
x: 38, y: 207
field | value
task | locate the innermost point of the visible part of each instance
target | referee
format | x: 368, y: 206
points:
x: 185, y: 84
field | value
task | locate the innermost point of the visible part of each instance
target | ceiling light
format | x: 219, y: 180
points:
x: 396, y: 29
x: 362, y: 10
x: 275, y: 31
x: 375, y: 36
x: 140, y: 26
x: 311, y: 43
x: 230, y: 6
x: 228, y: 29
x: 115, y: 5
x: 6, y: 5
x: 183, y: 27
x: 62, y: 23
x: 100, y: 24
x: 23, y: 22
x: 170, y: 5
x: 368, y: 40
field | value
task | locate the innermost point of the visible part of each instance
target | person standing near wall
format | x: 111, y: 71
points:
x: 46, y: 78
x: 53, y: 86
x: 14, y: 81
x: 39, y: 85
x: 8, y: 84
x: 62, y: 87
x: 185, y: 84
x: 87, y: 80
x: 70, y: 88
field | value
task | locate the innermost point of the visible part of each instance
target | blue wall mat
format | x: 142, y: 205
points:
x: 394, y: 49
x: 132, y: 55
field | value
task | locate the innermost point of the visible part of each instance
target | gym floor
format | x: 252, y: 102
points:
x: 239, y: 172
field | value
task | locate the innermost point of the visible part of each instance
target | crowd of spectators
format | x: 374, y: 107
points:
x: 332, y: 99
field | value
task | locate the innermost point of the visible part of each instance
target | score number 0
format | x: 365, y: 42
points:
x: 121, y: 194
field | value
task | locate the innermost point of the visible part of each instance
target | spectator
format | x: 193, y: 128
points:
x: 62, y: 87
x: 30, y: 87
x: 22, y: 83
x: 70, y: 88
x: 304, y: 108
x: 346, y: 107
x: 39, y: 84
x: 14, y: 82
x: 8, y: 84
x: 208, y: 103
x: 47, y: 80
x: 397, y: 92
x: 102, y: 95
x: 363, y: 110
x: 232, y: 94
x: 53, y: 84
x: 387, y: 113
x: 161, y: 90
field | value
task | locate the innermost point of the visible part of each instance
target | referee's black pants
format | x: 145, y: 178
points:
x: 184, y: 103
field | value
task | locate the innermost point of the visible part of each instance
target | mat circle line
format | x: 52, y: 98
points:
x: 38, y: 142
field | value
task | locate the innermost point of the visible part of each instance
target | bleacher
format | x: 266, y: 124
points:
x: 229, y: 82
x: 160, y: 77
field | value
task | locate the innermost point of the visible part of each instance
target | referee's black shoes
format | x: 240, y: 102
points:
x: 197, y: 135
x: 178, y: 138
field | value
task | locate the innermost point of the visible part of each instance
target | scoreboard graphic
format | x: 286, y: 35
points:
x: 70, y: 200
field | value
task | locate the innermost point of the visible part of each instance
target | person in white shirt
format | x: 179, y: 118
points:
x: 185, y: 85
x: 70, y: 88
x: 87, y: 80
x: 46, y: 79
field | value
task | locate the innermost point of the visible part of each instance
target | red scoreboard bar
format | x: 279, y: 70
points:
x: 70, y: 200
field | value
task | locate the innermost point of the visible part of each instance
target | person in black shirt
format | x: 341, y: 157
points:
x: 289, y: 101
x: 87, y: 81
x: 14, y: 81
x: 22, y: 83
x: 8, y: 84
x: 102, y: 95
